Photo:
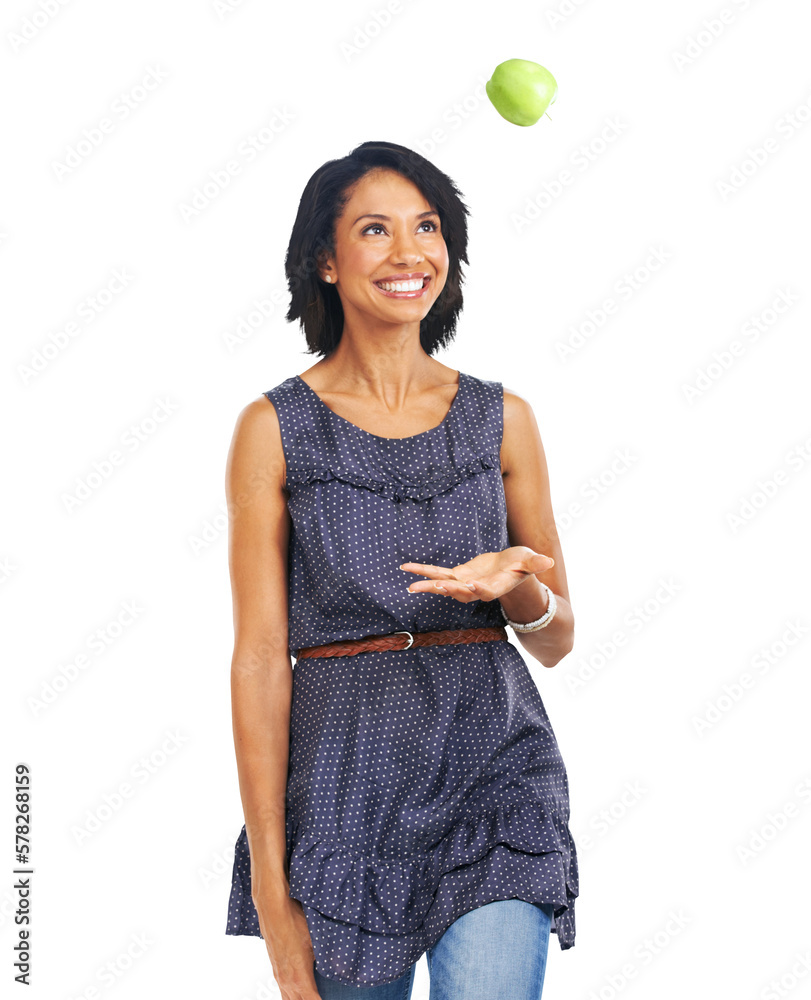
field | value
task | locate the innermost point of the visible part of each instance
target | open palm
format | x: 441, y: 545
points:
x: 483, y: 578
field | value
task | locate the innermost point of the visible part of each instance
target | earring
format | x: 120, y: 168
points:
x: 327, y: 278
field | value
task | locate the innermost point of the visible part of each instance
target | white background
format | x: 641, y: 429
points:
x: 699, y: 196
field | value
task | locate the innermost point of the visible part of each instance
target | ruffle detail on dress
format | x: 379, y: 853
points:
x: 401, y: 487
x: 394, y: 896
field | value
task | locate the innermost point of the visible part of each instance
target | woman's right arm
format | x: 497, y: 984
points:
x: 262, y: 681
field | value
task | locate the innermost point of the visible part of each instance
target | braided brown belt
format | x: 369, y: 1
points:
x: 403, y: 640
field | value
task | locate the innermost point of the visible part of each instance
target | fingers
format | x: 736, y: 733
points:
x: 443, y: 582
x: 461, y: 590
x: 440, y: 586
x: 426, y: 569
x: 539, y: 563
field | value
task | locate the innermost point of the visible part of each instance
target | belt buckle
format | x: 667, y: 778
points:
x: 410, y: 638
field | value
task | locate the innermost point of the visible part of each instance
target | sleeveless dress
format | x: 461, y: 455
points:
x: 426, y: 782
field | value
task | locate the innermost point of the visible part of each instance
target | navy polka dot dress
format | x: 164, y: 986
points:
x: 422, y: 783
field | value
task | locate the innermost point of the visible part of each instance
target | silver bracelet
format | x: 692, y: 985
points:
x: 541, y: 622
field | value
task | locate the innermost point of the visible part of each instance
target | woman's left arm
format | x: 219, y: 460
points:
x: 530, y: 522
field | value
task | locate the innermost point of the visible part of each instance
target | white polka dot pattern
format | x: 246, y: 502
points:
x: 423, y: 783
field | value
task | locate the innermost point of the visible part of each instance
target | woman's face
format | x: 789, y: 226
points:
x: 402, y: 240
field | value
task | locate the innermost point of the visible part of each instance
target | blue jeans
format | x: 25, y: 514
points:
x: 496, y: 952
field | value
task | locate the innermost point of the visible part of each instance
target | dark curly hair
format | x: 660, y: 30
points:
x: 317, y: 305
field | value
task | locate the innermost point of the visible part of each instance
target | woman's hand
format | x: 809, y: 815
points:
x: 289, y: 946
x: 483, y: 578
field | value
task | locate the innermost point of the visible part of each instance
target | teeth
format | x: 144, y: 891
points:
x: 401, y: 286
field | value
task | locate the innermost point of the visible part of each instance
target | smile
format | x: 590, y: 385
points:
x: 403, y: 289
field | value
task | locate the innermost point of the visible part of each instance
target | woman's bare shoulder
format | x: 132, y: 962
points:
x: 256, y: 446
x: 520, y: 431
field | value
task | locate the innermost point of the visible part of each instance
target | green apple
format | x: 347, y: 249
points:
x: 521, y: 90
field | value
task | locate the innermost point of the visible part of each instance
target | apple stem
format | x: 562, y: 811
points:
x: 547, y: 115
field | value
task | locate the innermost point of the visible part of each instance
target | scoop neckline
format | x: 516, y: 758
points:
x: 380, y: 437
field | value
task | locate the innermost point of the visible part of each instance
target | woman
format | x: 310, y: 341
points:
x: 403, y: 794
